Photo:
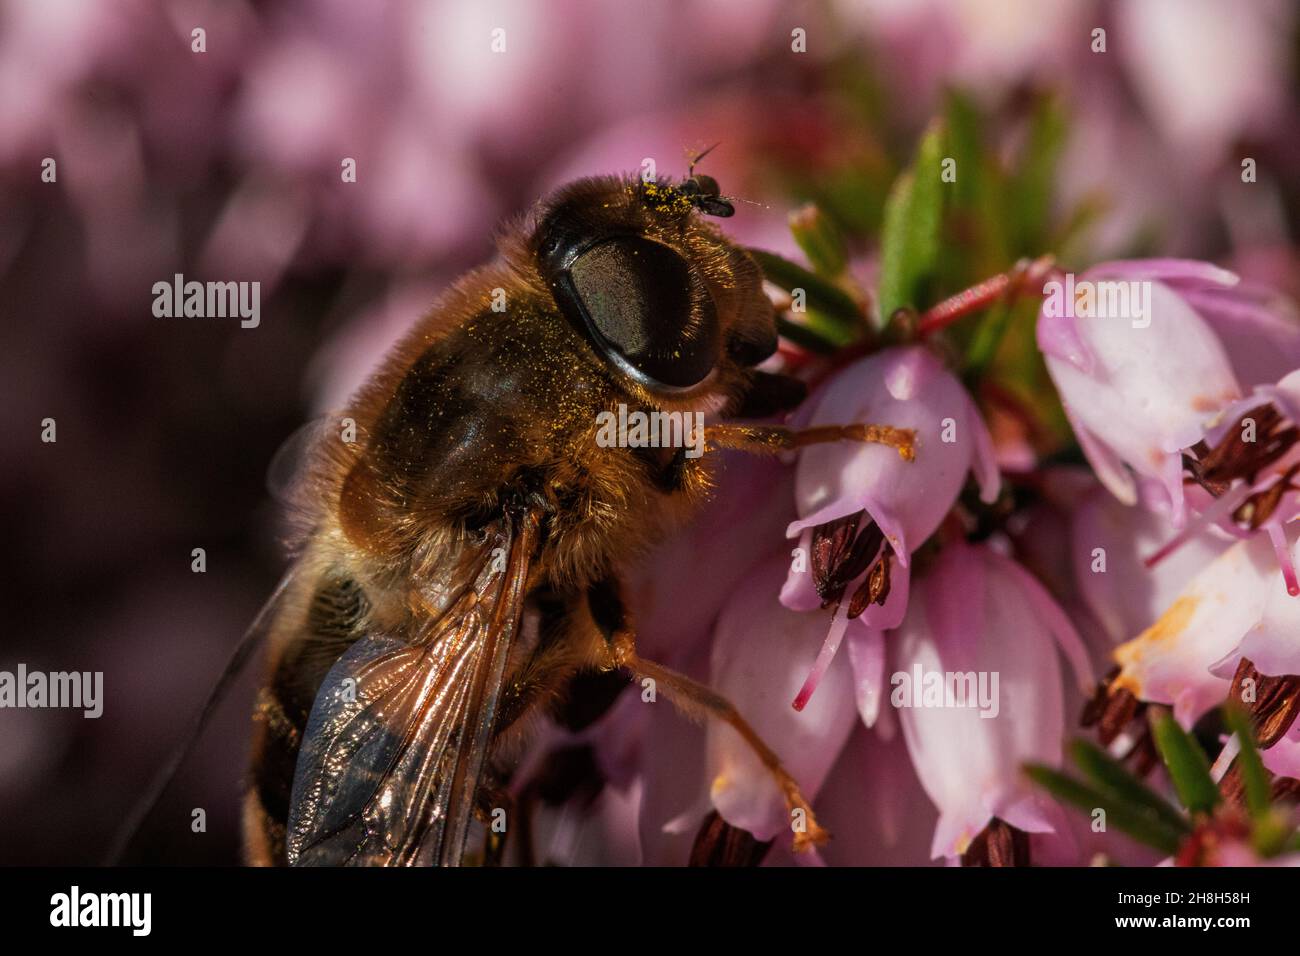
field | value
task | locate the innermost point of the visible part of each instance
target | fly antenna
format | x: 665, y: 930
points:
x: 696, y: 157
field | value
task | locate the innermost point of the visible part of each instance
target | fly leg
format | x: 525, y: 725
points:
x: 495, y: 805
x: 773, y: 439
x: 616, y: 648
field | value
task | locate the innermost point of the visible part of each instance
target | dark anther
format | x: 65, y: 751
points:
x: 1215, y: 469
x: 1110, y: 710
x: 718, y: 843
x: 875, y: 589
x: 1273, y: 702
x: 998, y: 844
x: 840, y: 553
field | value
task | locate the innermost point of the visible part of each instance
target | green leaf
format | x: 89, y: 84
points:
x: 1186, y: 762
x: 1271, y: 832
x: 804, y: 337
x: 820, y: 240
x: 1113, y: 778
x: 978, y: 200
x: 1032, y: 185
x: 831, y: 312
x: 988, y: 336
x: 1254, y: 778
x: 1137, y: 824
x: 909, y: 240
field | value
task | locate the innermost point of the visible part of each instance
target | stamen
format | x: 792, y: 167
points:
x: 1234, y: 458
x: 840, y: 553
x: 718, y: 843
x: 998, y: 844
x: 1111, y: 709
x: 1276, y: 702
x: 1260, y: 507
x: 875, y: 589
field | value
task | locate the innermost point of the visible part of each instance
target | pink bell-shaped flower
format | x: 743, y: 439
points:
x: 979, y: 691
x: 1140, y: 372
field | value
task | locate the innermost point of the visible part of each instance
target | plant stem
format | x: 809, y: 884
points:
x: 1007, y: 285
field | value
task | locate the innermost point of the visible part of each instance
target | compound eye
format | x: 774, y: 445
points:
x: 641, y: 305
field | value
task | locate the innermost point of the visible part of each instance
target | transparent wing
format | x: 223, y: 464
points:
x: 394, y: 747
x: 292, y: 460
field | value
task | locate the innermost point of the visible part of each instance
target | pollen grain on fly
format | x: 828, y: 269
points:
x: 903, y: 440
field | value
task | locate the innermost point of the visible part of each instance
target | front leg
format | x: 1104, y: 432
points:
x: 615, y: 647
x: 773, y: 439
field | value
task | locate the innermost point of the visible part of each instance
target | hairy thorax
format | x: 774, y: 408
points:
x: 503, y: 411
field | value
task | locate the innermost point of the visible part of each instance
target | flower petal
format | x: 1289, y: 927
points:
x: 867, y: 659
x: 1169, y: 662
x: 903, y: 388
x: 973, y: 615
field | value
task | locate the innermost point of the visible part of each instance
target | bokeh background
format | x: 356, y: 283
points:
x: 226, y: 164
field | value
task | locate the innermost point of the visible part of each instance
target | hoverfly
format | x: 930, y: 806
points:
x: 475, y: 490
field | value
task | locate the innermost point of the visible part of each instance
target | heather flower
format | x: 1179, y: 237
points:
x: 864, y: 508
x: 745, y: 515
x: 1245, y: 468
x: 1283, y: 758
x: 1202, y: 112
x: 1240, y: 853
x: 1272, y: 641
x: 1110, y: 543
x: 1258, y: 327
x: 977, y: 612
x: 874, y: 806
x: 1141, y: 387
x: 1170, y: 662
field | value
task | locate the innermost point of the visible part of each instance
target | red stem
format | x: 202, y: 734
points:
x: 1008, y: 284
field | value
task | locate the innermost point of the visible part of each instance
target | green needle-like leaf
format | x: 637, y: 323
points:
x: 988, y: 335
x: 909, y: 239
x: 1254, y: 778
x: 804, y: 337
x: 820, y: 240
x: 1033, y: 181
x: 1112, y: 777
x: 830, y: 307
x: 1138, y: 824
x: 1186, y: 762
